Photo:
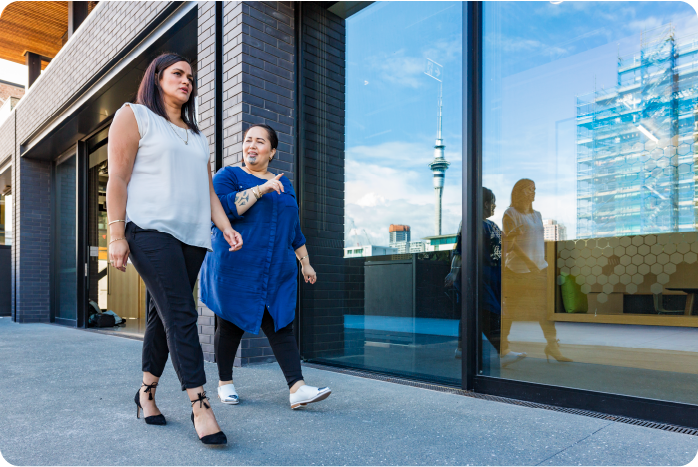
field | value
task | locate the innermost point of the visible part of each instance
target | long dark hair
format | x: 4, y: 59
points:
x: 487, y: 196
x: 150, y: 92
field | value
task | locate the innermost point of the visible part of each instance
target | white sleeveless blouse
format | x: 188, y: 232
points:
x: 169, y: 188
x: 531, y: 239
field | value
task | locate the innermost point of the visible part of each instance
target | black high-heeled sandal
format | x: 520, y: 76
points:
x: 153, y: 419
x: 215, y: 438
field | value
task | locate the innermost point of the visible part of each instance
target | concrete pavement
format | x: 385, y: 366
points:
x: 68, y: 400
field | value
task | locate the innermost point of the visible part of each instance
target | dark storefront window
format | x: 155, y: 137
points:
x: 5, y: 220
x: 589, y: 140
x: 109, y: 289
x: 383, y: 196
x: 66, y: 285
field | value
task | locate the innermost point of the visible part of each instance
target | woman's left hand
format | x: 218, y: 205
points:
x: 309, y: 274
x: 233, y: 238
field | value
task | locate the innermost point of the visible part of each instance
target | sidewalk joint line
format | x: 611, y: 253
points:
x: 575, y: 443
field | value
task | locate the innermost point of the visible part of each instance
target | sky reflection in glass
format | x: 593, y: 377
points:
x: 391, y: 118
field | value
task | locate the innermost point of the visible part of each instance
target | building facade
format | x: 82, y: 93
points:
x: 369, y: 250
x: 649, y: 121
x: 554, y: 231
x: 350, y: 88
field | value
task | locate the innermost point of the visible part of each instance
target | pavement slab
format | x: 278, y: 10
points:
x: 74, y: 406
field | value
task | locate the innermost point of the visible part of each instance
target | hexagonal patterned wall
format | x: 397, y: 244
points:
x: 621, y: 264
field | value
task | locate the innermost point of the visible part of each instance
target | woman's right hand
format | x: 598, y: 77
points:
x: 272, y: 185
x: 450, y: 279
x: 118, y: 254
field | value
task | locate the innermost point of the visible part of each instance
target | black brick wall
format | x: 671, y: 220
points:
x: 259, y: 78
x: 340, y: 291
x: 206, y: 71
x: 31, y: 244
x: 258, y: 87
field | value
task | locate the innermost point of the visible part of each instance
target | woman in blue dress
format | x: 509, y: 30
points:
x: 256, y: 287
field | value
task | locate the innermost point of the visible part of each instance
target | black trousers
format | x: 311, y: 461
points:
x: 169, y: 269
x: 282, y: 342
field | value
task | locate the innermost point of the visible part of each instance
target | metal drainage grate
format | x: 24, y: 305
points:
x: 435, y: 387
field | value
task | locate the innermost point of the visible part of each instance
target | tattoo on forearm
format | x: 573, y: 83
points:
x: 242, y: 198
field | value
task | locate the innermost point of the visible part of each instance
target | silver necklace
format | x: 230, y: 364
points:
x: 176, y: 133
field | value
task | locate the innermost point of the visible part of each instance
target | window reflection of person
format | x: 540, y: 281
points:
x: 525, y: 272
x: 491, y: 308
x: 453, y: 280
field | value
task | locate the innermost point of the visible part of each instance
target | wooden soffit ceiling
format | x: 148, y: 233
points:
x: 37, y: 27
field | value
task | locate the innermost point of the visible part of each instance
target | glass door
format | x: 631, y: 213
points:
x: 65, y: 304
x: 108, y: 289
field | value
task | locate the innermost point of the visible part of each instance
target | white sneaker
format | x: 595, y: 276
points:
x: 228, y: 395
x: 308, y: 394
x: 511, y: 357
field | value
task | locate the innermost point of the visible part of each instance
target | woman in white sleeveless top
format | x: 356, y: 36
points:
x: 524, y: 276
x: 160, y: 204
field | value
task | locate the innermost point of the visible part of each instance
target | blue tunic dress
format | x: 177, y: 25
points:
x: 492, y: 269
x: 237, y: 285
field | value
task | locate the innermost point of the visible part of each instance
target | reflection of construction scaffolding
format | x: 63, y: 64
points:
x: 636, y: 143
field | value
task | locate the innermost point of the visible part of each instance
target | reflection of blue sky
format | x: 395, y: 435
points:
x: 538, y: 58
x: 391, y: 108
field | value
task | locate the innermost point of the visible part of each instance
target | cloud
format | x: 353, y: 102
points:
x: 391, y: 183
x: 684, y: 26
x: 445, y: 50
x: 402, y: 154
x: 646, y: 24
x: 370, y: 200
x: 400, y: 68
x: 372, y: 184
x: 518, y: 45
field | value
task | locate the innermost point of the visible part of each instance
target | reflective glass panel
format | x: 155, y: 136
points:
x: 3, y: 207
x: 109, y: 289
x: 590, y: 241
x: 66, y: 240
x: 389, y: 193
x: 8, y: 219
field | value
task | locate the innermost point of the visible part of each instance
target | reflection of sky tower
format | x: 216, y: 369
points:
x: 439, y: 165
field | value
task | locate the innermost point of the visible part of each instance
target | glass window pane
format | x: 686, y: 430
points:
x: 384, y: 305
x: 66, y: 240
x: 8, y: 219
x: 588, y: 163
x: 123, y: 293
x: 3, y: 207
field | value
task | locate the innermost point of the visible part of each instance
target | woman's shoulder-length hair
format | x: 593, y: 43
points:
x: 150, y: 92
x: 517, y: 201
